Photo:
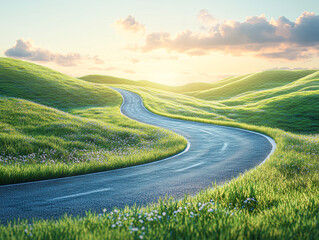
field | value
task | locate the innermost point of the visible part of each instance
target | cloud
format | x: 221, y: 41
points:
x: 106, y: 69
x: 290, y: 53
x: 164, y: 58
x: 130, y: 24
x: 289, y: 69
x: 134, y: 60
x: 274, y: 39
x: 96, y: 59
x: 129, y: 71
x: 205, y: 18
x: 24, y: 49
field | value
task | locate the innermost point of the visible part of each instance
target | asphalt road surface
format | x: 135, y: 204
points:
x: 214, y: 153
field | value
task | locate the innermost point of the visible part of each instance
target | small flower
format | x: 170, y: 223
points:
x: 250, y: 199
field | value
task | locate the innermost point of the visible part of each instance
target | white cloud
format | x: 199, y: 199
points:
x: 130, y: 24
x: 274, y: 39
x: 205, y: 18
x: 24, y: 49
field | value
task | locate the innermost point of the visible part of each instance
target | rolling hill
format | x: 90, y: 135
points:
x: 307, y: 83
x: 102, y: 79
x: 42, y: 85
x: 229, y: 88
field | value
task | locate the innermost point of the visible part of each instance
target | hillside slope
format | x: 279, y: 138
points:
x: 39, y: 84
x: 250, y: 83
x: 305, y: 84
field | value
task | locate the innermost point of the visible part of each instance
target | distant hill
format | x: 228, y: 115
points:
x: 305, y: 84
x: 233, y: 87
x: 103, y: 79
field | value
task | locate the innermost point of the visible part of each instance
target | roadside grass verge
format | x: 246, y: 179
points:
x: 277, y: 200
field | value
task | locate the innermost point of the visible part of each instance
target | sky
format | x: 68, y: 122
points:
x: 169, y: 42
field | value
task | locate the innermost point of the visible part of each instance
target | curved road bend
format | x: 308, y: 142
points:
x: 216, y: 153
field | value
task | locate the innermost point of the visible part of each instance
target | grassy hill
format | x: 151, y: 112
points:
x: 39, y: 84
x: 102, y: 79
x: 305, y: 84
x: 52, y: 125
x: 237, y: 86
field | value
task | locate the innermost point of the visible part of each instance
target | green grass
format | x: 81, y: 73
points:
x: 40, y: 142
x: 277, y: 200
x: 305, y: 84
x: 42, y: 85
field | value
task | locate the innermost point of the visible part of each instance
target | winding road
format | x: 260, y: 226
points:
x: 214, y: 153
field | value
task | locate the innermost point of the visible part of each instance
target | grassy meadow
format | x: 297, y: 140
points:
x: 277, y: 200
x: 50, y: 133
